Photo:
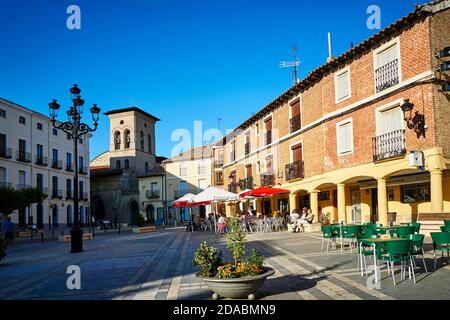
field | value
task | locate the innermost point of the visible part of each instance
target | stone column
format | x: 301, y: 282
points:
x: 382, y: 202
x: 342, y: 216
x: 292, y: 203
x: 314, y: 200
x: 437, y: 200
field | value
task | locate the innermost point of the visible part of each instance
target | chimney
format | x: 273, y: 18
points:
x: 330, y: 48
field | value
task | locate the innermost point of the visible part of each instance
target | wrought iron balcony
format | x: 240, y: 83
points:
x: 41, y: 161
x: 295, y: 170
x: 23, y: 156
x: 295, y: 124
x: 152, y: 194
x: 5, y: 153
x: 57, y: 164
x: 82, y: 170
x: 5, y: 185
x: 246, y: 183
x: 83, y: 196
x: 69, y: 194
x: 232, y: 187
x: 268, y: 138
x: 247, y: 148
x: 389, y: 145
x: 387, y: 76
x: 267, y: 179
x: 218, y: 164
x: 69, y: 167
x: 57, y: 193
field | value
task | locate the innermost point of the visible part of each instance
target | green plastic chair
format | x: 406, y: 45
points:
x: 400, y: 251
x: 364, y: 251
x: 445, y: 229
x: 369, y: 232
x: 441, y: 242
x: 403, y: 231
x: 416, y: 226
x: 417, y: 240
x: 328, y: 235
x: 447, y: 224
x: 351, y: 232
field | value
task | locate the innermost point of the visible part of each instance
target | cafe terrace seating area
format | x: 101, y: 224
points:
x: 399, y: 247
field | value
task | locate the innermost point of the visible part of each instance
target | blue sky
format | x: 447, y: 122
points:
x: 180, y: 60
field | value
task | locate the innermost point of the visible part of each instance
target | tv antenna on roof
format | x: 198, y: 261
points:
x: 292, y: 64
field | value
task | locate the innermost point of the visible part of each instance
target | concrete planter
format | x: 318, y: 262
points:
x: 236, y: 288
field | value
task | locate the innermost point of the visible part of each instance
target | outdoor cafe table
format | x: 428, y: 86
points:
x: 340, y: 228
x: 374, y: 242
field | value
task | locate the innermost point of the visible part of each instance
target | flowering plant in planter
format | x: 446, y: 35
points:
x: 209, y: 259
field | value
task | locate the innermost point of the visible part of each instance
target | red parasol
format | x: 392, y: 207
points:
x: 263, y: 192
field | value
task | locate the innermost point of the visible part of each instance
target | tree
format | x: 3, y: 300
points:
x: 11, y: 199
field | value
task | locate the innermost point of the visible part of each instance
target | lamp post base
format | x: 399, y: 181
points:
x: 76, y: 236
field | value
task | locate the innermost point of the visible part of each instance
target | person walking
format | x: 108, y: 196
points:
x: 8, y: 228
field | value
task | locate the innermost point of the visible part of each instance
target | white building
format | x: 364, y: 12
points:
x: 33, y: 153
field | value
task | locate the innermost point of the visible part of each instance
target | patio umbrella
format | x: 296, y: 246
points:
x: 264, y: 192
x: 184, y: 202
x: 212, y: 195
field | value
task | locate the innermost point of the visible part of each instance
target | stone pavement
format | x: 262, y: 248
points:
x: 159, y: 266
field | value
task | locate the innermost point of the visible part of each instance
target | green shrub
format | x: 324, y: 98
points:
x: 208, y: 259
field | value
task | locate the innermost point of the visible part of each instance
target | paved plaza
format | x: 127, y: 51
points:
x: 159, y: 266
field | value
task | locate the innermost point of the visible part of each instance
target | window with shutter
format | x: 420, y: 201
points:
x: 344, y: 138
x: 390, y: 120
x: 387, y: 56
x: 342, y: 86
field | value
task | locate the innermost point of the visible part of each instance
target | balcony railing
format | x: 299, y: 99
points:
x: 5, y: 185
x: 69, y: 194
x: 295, y: 124
x: 6, y: 153
x: 57, y: 164
x: 267, y: 180
x: 268, y: 138
x: 152, y: 194
x: 218, y: 164
x: 83, y: 196
x: 41, y: 161
x: 57, y: 193
x: 295, y: 170
x: 44, y: 190
x: 247, y: 148
x: 387, y: 76
x: 246, y: 183
x: 389, y: 145
x: 82, y: 170
x: 23, y: 156
x: 69, y: 167
x: 232, y: 187
x: 22, y: 186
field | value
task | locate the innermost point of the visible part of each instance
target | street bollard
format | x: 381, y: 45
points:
x: 119, y: 228
x: 42, y: 237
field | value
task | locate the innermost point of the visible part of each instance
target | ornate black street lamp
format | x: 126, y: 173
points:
x: 76, y: 129
x: 416, y: 122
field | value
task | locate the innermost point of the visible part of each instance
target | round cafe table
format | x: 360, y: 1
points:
x: 374, y: 242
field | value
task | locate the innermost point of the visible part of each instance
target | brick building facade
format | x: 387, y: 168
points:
x: 339, y: 141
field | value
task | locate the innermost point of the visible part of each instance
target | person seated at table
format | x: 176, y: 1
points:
x: 294, y: 219
x: 222, y: 223
x: 305, y: 219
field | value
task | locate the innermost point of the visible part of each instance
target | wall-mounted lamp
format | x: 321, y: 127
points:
x: 416, y: 122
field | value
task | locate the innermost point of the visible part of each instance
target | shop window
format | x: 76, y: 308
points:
x: 416, y: 193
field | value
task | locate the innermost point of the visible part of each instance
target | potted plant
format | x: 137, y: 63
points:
x: 238, y: 279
